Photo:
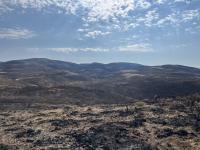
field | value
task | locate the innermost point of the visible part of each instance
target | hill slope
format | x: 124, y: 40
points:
x: 44, y: 80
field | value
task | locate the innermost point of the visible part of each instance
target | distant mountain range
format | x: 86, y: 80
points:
x: 45, y: 80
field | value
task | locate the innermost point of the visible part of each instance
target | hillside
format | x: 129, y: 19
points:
x: 44, y: 80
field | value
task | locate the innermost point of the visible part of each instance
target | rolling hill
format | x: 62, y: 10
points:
x: 52, y: 81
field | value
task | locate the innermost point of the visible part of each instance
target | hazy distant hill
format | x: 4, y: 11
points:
x: 45, y: 80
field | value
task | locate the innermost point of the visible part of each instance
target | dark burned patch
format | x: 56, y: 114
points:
x: 92, y: 120
x: 27, y: 133
x: 136, y: 123
x: 181, y: 133
x: 74, y: 113
x: 109, y: 136
x: 157, y: 110
x: 89, y: 114
x: 12, y: 129
x: 63, y: 123
x: 8, y: 147
x: 4, y: 114
x: 169, y: 132
x: 157, y: 121
x: 108, y: 112
x: 50, y: 141
x: 179, y: 121
x: 165, y: 133
x: 182, y: 121
x: 196, y: 126
x: 123, y: 113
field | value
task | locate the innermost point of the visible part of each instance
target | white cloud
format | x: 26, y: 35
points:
x: 107, y: 9
x: 94, y: 34
x: 116, y: 15
x: 160, y: 1
x: 15, y: 33
x: 142, y: 47
x: 71, y: 50
x: 94, y: 10
x: 176, y: 18
x: 4, y: 8
x: 183, y: 1
x: 171, y: 19
x: 138, y: 47
x: 143, y: 4
x: 150, y: 18
x: 81, y: 30
x: 190, y: 14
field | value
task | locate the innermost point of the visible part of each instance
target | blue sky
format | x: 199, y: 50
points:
x: 151, y: 32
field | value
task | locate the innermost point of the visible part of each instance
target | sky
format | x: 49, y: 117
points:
x: 150, y: 32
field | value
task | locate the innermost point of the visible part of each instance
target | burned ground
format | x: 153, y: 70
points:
x: 141, y: 125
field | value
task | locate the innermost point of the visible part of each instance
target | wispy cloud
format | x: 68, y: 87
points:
x: 149, y: 19
x: 142, y: 47
x: 94, y: 34
x: 190, y: 15
x: 16, y: 33
x: 103, y: 17
x: 70, y: 49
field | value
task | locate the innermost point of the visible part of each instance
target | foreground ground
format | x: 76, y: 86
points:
x: 159, y: 124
